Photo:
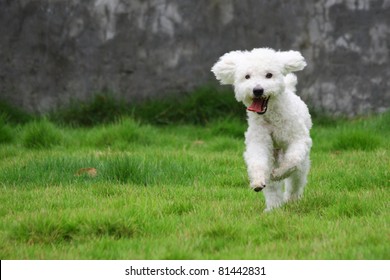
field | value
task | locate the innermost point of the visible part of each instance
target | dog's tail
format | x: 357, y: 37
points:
x: 290, y: 81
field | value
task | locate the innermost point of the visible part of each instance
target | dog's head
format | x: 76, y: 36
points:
x: 257, y: 75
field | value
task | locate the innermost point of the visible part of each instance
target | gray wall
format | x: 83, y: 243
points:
x: 54, y: 50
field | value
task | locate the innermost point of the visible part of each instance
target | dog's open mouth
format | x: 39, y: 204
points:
x: 259, y: 105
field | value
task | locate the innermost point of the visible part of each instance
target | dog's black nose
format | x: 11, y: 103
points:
x: 258, y: 91
x: 258, y: 189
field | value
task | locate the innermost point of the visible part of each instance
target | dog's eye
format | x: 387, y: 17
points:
x: 268, y: 76
x: 247, y: 76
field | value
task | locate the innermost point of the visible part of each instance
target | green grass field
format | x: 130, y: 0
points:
x: 127, y: 190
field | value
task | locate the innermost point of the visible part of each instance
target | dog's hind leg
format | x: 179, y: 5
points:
x: 295, y: 184
x: 295, y: 155
x: 273, y: 195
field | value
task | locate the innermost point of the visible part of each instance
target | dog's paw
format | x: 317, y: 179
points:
x: 273, y: 204
x: 272, y: 208
x: 288, y: 197
x: 282, y: 173
x: 257, y: 186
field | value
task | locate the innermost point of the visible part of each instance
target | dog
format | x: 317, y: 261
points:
x: 278, y: 139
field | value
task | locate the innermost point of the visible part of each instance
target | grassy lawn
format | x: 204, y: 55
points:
x: 127, y: 190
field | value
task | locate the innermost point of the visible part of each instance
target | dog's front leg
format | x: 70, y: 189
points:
x: 294, y: 156
x: 258, y: 158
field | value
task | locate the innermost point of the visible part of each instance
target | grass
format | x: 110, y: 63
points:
x: 6, y: 134
x: 199, y: 108
x: 41, y: 134
x: 180, y: 191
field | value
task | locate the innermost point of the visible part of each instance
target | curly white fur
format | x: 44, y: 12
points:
x: 277, y: 141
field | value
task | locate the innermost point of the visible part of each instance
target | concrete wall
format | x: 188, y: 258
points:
x: 55, y: 50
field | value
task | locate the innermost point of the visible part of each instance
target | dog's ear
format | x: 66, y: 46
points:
x: 225, y: 67
x: 292, y: 61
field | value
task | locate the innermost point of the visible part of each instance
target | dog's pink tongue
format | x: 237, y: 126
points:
x: 256, y: 106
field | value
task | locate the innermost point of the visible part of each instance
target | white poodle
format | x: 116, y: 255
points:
x: 277, y: 140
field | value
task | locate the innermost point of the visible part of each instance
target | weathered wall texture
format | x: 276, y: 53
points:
x: 55, y: 50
